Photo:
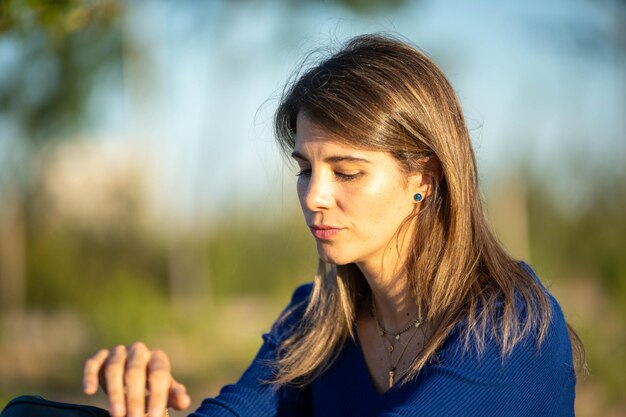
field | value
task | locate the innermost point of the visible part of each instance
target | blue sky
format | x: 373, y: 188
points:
x: 200, y: 99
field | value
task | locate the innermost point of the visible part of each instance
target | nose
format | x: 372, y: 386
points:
x: 315, y: 192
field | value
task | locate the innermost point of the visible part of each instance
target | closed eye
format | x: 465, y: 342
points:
x: 346, y: 177
x: 340, y: 176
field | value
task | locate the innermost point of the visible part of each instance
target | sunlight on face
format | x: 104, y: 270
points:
x: 353, y: 200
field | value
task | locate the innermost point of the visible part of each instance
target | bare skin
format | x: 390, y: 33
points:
x: 125, y: 373
x: 376, y: 358
x: 353, y: 200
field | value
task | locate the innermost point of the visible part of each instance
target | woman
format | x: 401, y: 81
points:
x: 416, y: 309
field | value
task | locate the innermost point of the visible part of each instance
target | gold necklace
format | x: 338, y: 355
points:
x: 415, y: 324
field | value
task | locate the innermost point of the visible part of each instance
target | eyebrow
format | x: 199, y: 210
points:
x: 332, y: 158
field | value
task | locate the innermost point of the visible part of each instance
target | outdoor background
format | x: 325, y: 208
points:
x: 142, y: 196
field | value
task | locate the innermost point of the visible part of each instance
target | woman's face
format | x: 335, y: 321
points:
x: 353, y: 200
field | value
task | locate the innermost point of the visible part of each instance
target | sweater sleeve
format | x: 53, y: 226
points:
x: 531, y: 381
x: 252, y: 395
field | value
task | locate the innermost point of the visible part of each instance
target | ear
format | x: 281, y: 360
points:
x: 425, y: 180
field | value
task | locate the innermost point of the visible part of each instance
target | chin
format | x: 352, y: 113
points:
x: 334, y: 258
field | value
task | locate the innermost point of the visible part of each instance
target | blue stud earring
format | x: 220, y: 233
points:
x: 417, y: 197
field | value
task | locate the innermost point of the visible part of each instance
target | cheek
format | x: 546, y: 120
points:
x: 384, y: 203
x: 384, y: 194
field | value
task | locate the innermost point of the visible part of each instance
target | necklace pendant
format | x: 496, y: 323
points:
x: 392, y: 374
x: 398, y: 336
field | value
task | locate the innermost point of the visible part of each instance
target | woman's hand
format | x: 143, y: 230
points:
x: 136, y: 379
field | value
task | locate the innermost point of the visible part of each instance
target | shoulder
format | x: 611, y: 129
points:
x: 556, y: 344
x: 302, y: 293
x: 527, y: 314
x: 537, y: 373
x: 292, y: 315
x: 557, y: 332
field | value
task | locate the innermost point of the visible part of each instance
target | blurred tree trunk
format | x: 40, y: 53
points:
x: 508, y: 215
x: 12, y: 252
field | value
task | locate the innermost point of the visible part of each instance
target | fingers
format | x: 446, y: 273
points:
x: 159, y: 382
x: 135, y: 379
x: 114, y: 379
x: 125, y: 373
x: 178, y: 397
x: 91, y: 371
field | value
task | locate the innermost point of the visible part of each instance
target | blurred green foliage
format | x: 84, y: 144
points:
x: 58, y: 18
x: 75, y: 270
x: 63, y: 46
x: 257, y: 258
x: 584, y: 254
x: 589, y: 243
x: 89, y: 272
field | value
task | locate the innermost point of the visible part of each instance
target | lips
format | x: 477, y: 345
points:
x: 323, y: 232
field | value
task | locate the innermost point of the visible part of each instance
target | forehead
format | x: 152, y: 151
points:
x: 315, y: 144
x: 310, y: 136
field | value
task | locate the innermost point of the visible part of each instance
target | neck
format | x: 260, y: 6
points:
x: 391, y: 295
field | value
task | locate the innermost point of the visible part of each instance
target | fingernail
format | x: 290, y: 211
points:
x: 87, y: 386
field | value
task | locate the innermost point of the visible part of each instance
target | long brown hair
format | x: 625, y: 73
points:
x: 380, y: 93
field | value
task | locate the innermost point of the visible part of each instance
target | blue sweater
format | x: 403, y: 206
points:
x: 526, y: 383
